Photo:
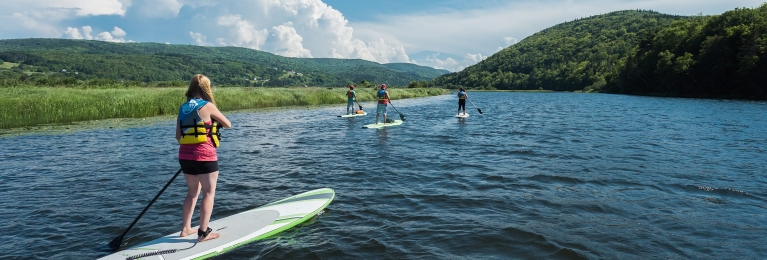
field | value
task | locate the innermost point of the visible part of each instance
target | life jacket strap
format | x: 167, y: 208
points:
x: 197, y: 133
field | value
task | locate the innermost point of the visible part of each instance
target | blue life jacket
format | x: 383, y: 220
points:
x: 461, y: 95
x: 382, y: 97
x: 193, y: 129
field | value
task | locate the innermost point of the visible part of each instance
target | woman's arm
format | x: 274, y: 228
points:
x: 212, y: 110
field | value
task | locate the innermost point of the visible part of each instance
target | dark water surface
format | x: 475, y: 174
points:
x: 537, y: 176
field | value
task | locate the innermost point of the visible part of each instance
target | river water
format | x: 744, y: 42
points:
x: 536, y: 176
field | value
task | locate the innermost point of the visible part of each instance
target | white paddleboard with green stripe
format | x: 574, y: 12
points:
x: 382, y: 125
x: 235, y: 230
x: 354, y: 115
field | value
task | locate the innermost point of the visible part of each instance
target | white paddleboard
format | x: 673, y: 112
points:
x: 462, y: 115
x: 236, y: 230
x: 382, y: 125
x: 354, y: 115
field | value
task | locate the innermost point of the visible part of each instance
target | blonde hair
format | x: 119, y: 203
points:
x: 199, y: 86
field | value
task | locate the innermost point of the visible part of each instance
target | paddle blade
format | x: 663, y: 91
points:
x: 402, y: 117
x: 479, y: 110
x: 115, y: 244
x: 361, y: 108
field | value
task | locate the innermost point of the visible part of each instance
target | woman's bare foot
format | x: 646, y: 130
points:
x: 187, y: 231
x: 210, y: 236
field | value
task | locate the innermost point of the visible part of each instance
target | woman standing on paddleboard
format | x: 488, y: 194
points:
x: 197, y: 134
x: 350, y: 97
x: 383, y: 101
x: 462, y: 96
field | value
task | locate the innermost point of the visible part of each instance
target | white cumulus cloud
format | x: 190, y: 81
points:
x: 293, y: 28
x: 87, y: 32
x: 508, y: 41
x: 454, y: 65
x: 119, y: 33
x: 75, y: 7
x: 157, y: 8
x: 241, y: 32
x: 73, y: 33
x: 285, y: 41
x: 199, y: 38
x: 43, y: 18
x: 116, y: 35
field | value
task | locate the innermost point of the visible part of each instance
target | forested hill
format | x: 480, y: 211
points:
x: 43, y: 60
x: 570, y: 56
x: 720, y: 56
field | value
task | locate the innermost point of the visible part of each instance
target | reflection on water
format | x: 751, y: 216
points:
x: 382, y: 135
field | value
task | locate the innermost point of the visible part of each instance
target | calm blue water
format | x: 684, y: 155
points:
x: 537, y: 176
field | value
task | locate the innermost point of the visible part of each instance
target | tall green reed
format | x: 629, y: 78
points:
x: 29, y: 106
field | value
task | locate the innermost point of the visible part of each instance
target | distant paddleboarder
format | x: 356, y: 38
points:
x: 197, y: 134
x: 462, y: 96
x: 350, y: 97
x: 383, y: 101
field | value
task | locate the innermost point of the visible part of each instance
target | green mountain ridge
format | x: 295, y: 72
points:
x: 635, y: 52
x: 718, y: 56
x: 152, y: 62
x: 569, y: 56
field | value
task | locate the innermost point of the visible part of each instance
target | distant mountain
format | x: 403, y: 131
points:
x: 152, y: 62
x: 412, y: 68
x: 575, y: 55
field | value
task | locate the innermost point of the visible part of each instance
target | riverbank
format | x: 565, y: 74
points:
x: 33, y: 106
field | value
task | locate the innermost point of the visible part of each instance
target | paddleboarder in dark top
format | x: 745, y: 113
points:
x: 462, y: 96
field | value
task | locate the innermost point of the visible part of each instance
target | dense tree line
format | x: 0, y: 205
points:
x: 570, y: 56
x: 48, y: 60
x: 718, y: 56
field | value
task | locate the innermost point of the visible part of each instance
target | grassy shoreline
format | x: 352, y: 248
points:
x: 31, y: 106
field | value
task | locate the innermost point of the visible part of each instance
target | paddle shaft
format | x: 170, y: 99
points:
x: 118, y: 240
x: 401, y: 116
x: 392, y: 105
x: 475, y: 106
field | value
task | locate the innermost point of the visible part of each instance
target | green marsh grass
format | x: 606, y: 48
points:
x: 30, y: 106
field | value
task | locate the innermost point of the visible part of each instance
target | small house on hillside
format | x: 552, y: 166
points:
x: 63, y: 71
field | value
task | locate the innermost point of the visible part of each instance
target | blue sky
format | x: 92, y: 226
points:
x: 447, y: 34
x: 356, y: 11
